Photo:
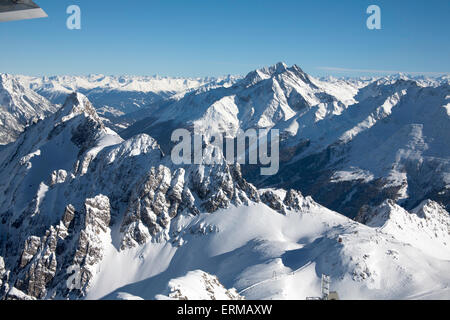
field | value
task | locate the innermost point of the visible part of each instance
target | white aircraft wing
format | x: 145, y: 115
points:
x: 20, y: 10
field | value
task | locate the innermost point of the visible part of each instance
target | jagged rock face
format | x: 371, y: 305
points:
x: 272, y: 200
x: 38, y: 263
x: 165, y: 194
x: 77, y: 241
x: 293, y: 200
x: 97, y: 217
x: 151, y: 207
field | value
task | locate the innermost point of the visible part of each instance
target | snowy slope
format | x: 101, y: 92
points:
x: 267, y: 255
x: 19, y: 106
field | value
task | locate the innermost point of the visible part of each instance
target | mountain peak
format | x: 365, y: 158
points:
x: 279, y: 67
x: 272, y: 71
x: 77, y: 104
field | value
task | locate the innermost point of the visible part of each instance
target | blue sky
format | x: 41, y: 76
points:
x: 218, y: 37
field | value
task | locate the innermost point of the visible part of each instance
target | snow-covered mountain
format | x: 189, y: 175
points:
x: 86, y: 214
x: 19, y: 106
x: 347, y: 143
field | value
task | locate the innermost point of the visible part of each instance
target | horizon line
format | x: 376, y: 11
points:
x: 323, y: 68
x: 386, y: 72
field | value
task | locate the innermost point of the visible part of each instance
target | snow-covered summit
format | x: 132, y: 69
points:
x: 77, y: 104
x: 266, y: 73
